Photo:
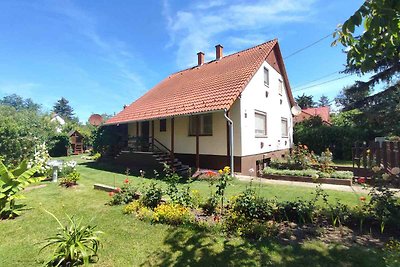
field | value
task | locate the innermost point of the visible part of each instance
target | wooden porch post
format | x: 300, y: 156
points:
x: 137, y: 136
x: 197, y: 121
x: 172, y: 141
x: 228, y: 149
x: 152, y: 135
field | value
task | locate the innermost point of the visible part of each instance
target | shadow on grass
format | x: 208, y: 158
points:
x: 186, y: 247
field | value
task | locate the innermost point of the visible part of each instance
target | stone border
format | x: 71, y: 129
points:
x: 293, y: 178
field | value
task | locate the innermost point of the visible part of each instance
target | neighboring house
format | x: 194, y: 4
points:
x: 59, y: 121
x: 76, y: 142
x: 322, y: 112
x: 189, y: 113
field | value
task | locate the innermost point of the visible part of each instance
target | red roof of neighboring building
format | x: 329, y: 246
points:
x: 215, y: 85
x: 323, y: 112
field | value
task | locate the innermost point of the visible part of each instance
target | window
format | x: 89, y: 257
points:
x: 266, y: 76
x: 284, y: 127
x: 260, y: 124
x: 163, y: 125
x: 280, y: 87
x: 205, y: 122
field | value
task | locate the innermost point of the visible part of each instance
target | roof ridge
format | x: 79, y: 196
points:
x: 227, y: 56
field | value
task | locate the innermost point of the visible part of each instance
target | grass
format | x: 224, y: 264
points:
x: 130, y: 242
x: 343, y: 163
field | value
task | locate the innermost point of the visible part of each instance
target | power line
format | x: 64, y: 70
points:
x: 320, y: 78
x: 308, y: 46
x: 311, y: 86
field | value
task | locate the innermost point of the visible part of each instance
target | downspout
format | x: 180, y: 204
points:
x: 230, y: 122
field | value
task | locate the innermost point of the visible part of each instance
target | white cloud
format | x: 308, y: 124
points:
x: 200, y: 27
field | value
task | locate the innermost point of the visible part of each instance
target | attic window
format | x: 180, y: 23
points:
x: 163, y: 125
x: 266, y: 76
x: 280, y: 87
x: 205, y: 122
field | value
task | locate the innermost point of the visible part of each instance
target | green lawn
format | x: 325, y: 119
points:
x: 130, y: 242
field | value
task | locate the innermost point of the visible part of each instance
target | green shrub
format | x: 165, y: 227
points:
x: 71, y: 179
x: 210, y: 205
x: 75, y: 244
x: 124, y: 195
x: 151, y: 198
x: 309, y: 173
x: 58, y: 145
x: 12, y: 182
x: 173, y: 214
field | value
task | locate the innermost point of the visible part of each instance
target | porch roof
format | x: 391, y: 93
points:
x: 213, y: 86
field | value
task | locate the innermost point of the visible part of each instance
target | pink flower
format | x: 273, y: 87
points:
x: 111, y: 194
x: 118, y: 190
x: 361, y: 180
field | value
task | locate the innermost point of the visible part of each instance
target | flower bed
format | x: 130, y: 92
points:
x: 309, y: 175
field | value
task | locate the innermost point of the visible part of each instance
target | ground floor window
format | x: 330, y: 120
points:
x: 205, y: 123
x: 284, y: 127
x: 260, y: 124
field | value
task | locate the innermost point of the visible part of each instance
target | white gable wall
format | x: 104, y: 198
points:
x: 254, y: 98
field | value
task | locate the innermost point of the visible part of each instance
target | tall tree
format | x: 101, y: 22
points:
x: 305, y: 101
x: 62, y: 108
x: 377, y: 49
x: 350, y: 95
x: 19, y: 103
x: 324, y: 101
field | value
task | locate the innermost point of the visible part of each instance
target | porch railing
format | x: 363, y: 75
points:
x: 146, y: 144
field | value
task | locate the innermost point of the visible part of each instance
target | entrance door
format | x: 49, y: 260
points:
x: 145, y: 132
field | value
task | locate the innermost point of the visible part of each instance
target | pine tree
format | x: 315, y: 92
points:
x: 63, y: 109
x: 324, y: 101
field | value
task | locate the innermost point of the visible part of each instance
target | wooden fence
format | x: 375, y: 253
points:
x: 368, y: 155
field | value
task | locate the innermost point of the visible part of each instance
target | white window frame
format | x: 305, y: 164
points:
x: 202, y: 132
x: 285, y: 134
x: 280, y: 88
x: 266, y: 76
x: 264, y: 114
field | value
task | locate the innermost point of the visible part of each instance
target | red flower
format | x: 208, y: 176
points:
x: 126, y: 181
x: 361, y: 180
x: 362, y: 198
x: 111, y: 194
x: 211, y: 173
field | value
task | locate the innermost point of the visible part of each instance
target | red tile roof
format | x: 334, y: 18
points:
x: 323, y: 112
x: 212, y: 86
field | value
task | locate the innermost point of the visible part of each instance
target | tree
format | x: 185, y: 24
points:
x: 63, y: 109
x: 19, y: 103
x: 377, y: 49
x: 324, y: 101
x: 350, y: 95
x: 305, y: 101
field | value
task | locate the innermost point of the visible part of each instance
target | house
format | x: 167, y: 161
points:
x: 76, y: 141
x: 60, y: 122
x: 234, y: 110
x: 322, y: 112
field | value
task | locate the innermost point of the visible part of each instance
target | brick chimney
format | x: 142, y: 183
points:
x: 200, y: 58
x: 218, y: 51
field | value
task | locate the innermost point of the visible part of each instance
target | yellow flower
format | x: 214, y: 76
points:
x: 227, y: 170
x: 220, y: 172
x: 368, y: 151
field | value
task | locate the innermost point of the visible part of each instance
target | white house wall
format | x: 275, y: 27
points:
x: 254, y: 98
x: 208, y: 145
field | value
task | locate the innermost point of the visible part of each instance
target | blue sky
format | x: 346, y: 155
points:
x: 101, y: 55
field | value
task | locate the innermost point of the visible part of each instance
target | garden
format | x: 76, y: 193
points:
x: 164, y: 220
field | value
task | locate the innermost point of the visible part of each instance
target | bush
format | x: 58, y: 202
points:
x: 71, y: 179
x: 152, y: 196
x: 210, y: 205
x: 124, y: 195
x: 173, y: 214
x: 310, y: 173
x: 58, y: 145
x: 75, y: 244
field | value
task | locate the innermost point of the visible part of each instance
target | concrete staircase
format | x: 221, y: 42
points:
x: 149, y: 161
